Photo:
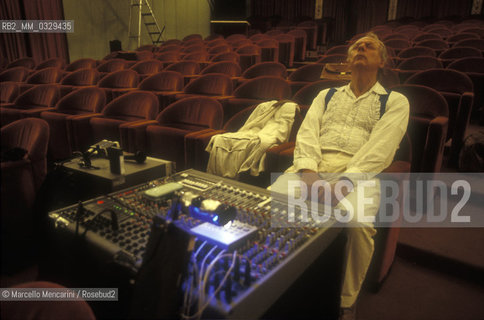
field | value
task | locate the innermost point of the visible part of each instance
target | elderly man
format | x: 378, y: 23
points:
x: 350, y: 134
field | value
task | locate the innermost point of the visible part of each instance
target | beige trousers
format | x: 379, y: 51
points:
x: 360, y: 230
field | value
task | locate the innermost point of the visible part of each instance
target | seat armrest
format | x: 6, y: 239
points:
x: 80, y: 130
x: 133, y: 135
x: 195, y: 143
x: 436, y: 137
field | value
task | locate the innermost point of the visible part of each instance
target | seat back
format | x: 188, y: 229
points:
x: 193, y: 112
x: 426, y: 36
x: 341, y: 49
x: 32, y: 135
x: 416, y: 51
x: 168, y: 56
x: 26, y: 62
x: 333, y: 58
x: 171, y: 48
x: 148, y: 67
x: 434, y: 44
x: 264, y: 88
x: 44, y: 95
x: 309, y: 72
x: 462, y: 36
x: 120, y: 79
x: 229, y: 68
x: 186, y: 68
x: 81, y: 77
x: 427, y: 126
x: 16, y: 74
x: 265, y: 69
x: 112, y: 65
x: 135, y: 105
x: 8, y: 91
x: 460, y: 52
x: 51, y: 63
x: 84, y: 100
x: 192, y: 36
x: 81, y: 64
x: 469, y: 64
x: 47, y: 75
x: 457, y: 88
x: 305, y: 96
x: 420, y: 63
x: 474, y: 43
x: 226, y: 56
x: 216, y: 84
x: 163, y: 81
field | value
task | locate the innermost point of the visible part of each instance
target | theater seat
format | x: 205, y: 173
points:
x: 195, y: 143
x: 8, y: 92
x: 215, y: 85
x: 128, y: 108
x: 30, y: 103
x: 165, y: 137
x: 304, y: 97
x: 81, y: 64
x: 118, y: 83
x: 304, y: 75
x: 255, y: 91
x: 26, y: 62
x: 78, y: 79
x: 44, y: 76
x: 165, y: 85
x: 427, y: 128
x: 21, y: 178
x: 51, y: 63
x: 457, y: 89
x: 16, y: 74
x: 82, y: 101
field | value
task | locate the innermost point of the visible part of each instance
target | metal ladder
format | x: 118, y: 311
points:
x: 145, y: 14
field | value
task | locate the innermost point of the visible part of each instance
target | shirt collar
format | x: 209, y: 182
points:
x: 377, y: 88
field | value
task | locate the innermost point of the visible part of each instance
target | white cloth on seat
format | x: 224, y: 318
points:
x: 234, y: 152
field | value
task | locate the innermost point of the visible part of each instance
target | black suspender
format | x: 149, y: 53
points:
x: 383, y: 100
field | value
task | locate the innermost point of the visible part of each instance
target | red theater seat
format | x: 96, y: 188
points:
x: 304, y: 75
x: 429, y: 117
x: 255, y: 91
x: 128, y: 108
x: 165, y: 137
x: 118, y: 83
x: 78, y: 79
x: 27, y: 62
x: 79, y: 102
x: 81, y: 64
x: 165, y: 85
x: 457, y: 89
x: 44, y: 76
x: 30, y: 103
x: 8, y: 92
x: 16, y: 74
x: 51, y: 63
x: 21, y: 178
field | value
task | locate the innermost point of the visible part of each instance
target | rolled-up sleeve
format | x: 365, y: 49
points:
x: 307, y: 153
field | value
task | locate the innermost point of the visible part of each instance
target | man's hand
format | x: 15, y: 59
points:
x: 344, y: 186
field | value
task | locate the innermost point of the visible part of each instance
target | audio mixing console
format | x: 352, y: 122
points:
x: 235, y: 271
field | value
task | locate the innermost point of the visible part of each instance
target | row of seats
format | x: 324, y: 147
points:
x: 270, y: 87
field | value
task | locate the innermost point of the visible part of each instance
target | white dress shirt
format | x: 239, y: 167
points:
x: 349, y: 130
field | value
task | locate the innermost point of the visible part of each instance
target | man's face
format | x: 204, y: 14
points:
x: 365, y: 54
